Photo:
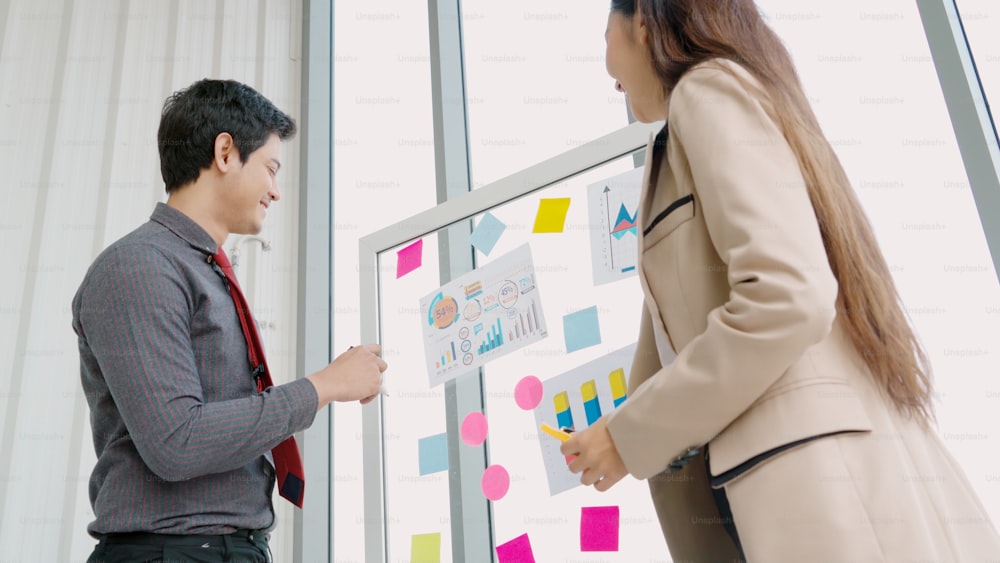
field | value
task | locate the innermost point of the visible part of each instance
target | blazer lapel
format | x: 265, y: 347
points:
x: 655, y: 156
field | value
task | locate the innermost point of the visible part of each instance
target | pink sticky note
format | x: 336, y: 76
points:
x: 599, y: 528
x: 517, y: 550
x: 528, y: 392
x: 409, y: 258
x: 474, y: 428
x: 496, y: 482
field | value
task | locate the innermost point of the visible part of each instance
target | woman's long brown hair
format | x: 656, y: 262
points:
x: 683, y: 33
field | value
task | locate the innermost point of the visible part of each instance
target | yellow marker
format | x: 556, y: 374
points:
x: 557, y: 434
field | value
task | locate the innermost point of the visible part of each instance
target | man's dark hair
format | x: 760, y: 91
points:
x: 193, y: 117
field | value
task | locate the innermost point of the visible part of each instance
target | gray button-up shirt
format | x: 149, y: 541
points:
x: 180, y: 430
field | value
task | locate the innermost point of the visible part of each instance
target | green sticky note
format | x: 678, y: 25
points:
x: 425, y: 548
x: 551, y: 215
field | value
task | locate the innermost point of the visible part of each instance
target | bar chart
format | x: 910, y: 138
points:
x: 577, y: 399
x: 525, y: 324
x: 494, y: 339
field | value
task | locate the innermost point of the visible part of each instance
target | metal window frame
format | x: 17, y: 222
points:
x: 969, y: 110
x: 313, y: 525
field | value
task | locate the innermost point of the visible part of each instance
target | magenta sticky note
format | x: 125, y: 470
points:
x: 409, y: 258
x: 599, y: 528
x: 517, y: 550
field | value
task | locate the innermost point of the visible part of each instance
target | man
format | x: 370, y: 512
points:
x: 183, y: 415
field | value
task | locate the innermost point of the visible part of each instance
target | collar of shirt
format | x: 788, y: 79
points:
x: 185, y: 228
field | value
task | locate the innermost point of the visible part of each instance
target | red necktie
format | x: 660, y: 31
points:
x: 287, y: 461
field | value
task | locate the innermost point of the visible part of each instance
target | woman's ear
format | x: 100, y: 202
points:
x: 639, y: 27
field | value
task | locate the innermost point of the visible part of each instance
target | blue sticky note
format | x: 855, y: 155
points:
x: 581, y: 329
x: 486, y: 234
x: 433, y: 454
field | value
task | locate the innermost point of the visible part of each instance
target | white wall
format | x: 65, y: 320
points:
x: 82, y: 84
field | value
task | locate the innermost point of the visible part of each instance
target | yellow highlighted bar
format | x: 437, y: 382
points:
x: 618, y: 385
x: 557, y: 434
x: 589, y: 391
x: 561, y: 401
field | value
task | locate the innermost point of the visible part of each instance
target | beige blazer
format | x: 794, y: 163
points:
x: 815, y: 464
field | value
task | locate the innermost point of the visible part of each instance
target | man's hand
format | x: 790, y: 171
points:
x: 596, y: 456
x: 354, y: 375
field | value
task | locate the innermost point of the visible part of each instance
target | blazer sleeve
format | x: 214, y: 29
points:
x: 782, y: 297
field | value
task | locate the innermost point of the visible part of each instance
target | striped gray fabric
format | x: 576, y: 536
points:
x: 180, y: 431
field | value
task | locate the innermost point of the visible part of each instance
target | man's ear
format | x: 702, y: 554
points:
x: 225, y: 156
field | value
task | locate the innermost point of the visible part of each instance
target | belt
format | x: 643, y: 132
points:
x: 144, y: 538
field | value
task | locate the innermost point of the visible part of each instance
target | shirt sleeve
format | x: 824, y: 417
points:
x: 135, y: 314
x: 758, y: 214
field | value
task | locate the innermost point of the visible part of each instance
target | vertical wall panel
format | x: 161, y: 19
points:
x: 82, y: 85
x: 25, y: 429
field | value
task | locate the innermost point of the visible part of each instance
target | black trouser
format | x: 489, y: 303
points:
x: 243, y: 546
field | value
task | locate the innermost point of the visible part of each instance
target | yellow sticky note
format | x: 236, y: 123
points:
x: 426, y: 548
x: 551, y: 215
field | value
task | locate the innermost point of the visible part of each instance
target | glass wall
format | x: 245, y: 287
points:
x: 880, y: 103
x: 868, y: 72
x: 536, y: 82
x: 383, y: 171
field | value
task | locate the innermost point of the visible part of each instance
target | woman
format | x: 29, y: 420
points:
x: 794, y: 423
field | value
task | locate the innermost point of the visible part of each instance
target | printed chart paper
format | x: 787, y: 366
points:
x: 613, y: 209
x: 576, y: 399
x: 486, y: 313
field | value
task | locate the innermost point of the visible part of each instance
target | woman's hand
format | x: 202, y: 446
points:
x: 596, y: 456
